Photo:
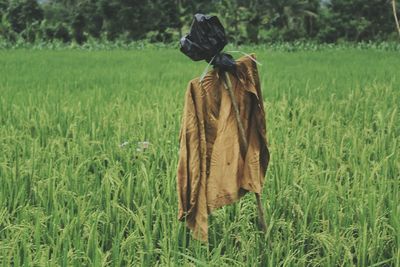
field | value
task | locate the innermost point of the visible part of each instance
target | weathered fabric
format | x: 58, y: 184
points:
x: 213, y: 169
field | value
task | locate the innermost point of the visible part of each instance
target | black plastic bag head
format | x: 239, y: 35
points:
x: 205, y: 41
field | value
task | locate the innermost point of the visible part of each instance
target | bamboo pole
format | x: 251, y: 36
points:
x: 395, y: 16
x: 228, y: 86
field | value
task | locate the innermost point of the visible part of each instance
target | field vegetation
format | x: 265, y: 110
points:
x: 77, y: 188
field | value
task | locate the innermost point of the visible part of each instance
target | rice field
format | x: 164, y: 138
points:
x: 78, y: 188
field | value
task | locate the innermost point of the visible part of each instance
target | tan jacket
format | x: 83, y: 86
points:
x: 213, y: 169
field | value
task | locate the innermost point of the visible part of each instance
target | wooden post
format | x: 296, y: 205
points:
x: 395, y: 15
x: 228, y: 86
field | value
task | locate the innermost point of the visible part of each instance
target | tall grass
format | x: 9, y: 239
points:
x: 71, y: 195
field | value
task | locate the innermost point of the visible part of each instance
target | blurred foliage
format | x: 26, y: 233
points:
x: 246, y: 21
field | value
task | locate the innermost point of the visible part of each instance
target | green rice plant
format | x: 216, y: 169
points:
x: 78, y: 187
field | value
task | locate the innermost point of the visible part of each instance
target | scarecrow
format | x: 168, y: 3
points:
x: 223, y: 149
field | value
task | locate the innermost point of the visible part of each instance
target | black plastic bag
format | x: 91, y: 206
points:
x: 205, y: 41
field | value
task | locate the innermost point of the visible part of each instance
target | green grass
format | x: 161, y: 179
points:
x: 71, y: 196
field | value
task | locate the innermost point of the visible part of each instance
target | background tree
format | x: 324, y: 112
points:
x: 3, y: 7
x: 358, y: 20
x: 246, y: 21
x: 22, y: 14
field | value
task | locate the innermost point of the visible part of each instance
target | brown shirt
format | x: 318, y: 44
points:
x: 213, y: 169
